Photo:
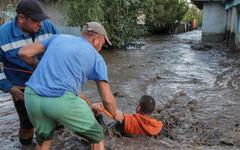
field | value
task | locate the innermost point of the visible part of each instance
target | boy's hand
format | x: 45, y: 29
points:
x: 119, y: 116
x: 97, y: 108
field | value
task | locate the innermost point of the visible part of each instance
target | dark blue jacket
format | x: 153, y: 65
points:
x: 11, y: 40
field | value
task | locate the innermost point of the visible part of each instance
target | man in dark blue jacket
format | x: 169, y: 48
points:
x: 29, y: 25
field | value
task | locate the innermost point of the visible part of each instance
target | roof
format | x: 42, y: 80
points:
x: 231, y: 3
x: 199, y: 3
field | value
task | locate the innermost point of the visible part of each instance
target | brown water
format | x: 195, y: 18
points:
x: 197, y: 92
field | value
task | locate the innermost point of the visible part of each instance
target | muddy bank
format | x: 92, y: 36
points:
x: 197, y: 93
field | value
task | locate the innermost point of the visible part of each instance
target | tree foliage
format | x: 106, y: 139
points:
x: 162, y: 16
x: 120, y: 16
x: 193, y: 13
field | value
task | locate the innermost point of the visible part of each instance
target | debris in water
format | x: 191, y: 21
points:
x: 203, y: 46
x: 118, y: 94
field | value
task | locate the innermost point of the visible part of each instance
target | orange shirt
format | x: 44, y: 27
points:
x: 139, y: 124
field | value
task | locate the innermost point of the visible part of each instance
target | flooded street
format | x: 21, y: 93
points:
x: 197, y: 93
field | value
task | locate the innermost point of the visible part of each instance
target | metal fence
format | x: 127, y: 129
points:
x: 69, y: 30
x: 6, y: 15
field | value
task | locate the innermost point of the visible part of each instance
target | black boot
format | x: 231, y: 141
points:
x: 25, y: 141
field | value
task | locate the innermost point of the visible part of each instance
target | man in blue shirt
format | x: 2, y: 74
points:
x: 29, y: 25
x: 52, y: 91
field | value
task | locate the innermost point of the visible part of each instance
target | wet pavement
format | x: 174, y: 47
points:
x: 196, y: 89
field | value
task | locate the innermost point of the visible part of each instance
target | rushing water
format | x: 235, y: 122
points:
x: 197, y: 92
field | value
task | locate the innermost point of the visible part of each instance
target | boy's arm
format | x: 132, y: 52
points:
x: 97, y: 108
x: 108, y: 100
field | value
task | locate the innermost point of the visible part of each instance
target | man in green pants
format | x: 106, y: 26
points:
x: 52, y: 91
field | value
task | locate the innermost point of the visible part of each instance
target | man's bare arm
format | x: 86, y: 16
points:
x: 108, y: 100
x: 28, y: 53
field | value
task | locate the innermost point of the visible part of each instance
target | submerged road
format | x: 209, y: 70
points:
x: 197, y: 92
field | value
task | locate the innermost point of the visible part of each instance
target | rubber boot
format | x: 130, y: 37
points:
x: 26, y: 136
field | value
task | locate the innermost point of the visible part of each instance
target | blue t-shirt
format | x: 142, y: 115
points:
x: 66, y: 65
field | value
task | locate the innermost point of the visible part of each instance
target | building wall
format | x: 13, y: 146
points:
x: 233, y: 28
x: 3, y: 4
x: 214, y: 22
x: 7, y: 11
x: 229, y: 19
x: 54, y: 9
x: 237, y: 32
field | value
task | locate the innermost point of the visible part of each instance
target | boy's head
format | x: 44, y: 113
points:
x: 146, y: 105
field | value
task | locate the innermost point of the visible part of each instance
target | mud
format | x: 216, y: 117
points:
x: 196, y: 89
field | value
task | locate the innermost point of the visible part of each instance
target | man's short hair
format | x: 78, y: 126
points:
x: 147, y: 104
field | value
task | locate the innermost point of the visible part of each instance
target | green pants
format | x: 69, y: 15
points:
x: 68, y: 110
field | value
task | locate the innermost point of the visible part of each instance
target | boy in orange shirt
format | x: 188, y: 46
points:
x: 139, y: 123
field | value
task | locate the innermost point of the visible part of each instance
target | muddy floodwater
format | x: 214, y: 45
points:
x: 197, y: 89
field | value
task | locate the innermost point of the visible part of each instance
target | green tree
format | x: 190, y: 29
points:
x: 193, y: 13
x: 82, y: 11
x: 120, y: 16
x: 162, y: 16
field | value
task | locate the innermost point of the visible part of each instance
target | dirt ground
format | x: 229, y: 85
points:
x: 196, y: 86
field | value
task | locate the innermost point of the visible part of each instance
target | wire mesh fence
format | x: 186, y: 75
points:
x: 69, y: 30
